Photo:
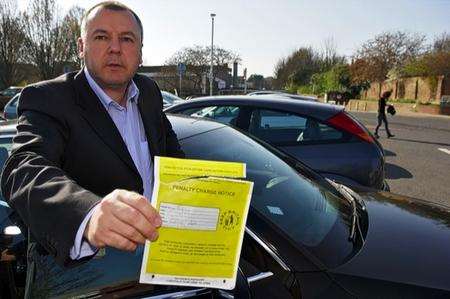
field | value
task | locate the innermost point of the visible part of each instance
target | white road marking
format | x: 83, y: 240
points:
x: 444, y: 150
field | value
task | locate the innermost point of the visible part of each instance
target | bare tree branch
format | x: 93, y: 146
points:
x: 197, y: 61
x: 387, y: 51
x: 11, y: 43
x: 46, y: 40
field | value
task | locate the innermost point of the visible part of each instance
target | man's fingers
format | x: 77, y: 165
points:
x: 140, y: 203
x: 122, y: 220
x: 133, y: 217
x: 117, y: 241
x: 127, y: 231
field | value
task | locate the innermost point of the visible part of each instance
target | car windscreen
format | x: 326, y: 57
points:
x: 170, y: 97
x: 307, y: 212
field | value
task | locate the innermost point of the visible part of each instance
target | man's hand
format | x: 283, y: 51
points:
x: 123, y: 219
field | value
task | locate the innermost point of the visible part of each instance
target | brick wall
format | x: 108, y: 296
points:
x: 424, y: 89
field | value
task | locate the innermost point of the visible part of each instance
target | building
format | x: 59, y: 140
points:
x: 195, y: 80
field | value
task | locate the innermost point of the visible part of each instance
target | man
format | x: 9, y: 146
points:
x: 382, y: 114
x: 80, y: 173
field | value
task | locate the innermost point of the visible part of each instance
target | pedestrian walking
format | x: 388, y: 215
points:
x: 382, y: 114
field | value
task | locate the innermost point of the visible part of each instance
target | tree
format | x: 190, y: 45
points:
x: 11, y: 43
x: 329, y: 55
x: 336, y: 79
x: 442, y: 43
x: 197, y: 61
x: 297, y: 68
x: 387, y: 51
x: 47, y: 35
x: 361, y: 71
x: 71, y: 27
x: 429, y: 64
x: 434, y: 62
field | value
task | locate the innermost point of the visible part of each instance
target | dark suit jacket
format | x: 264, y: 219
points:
x: 68, y: 154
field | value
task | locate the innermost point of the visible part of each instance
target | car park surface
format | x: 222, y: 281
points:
x: 306, y: 130
x: 306, y: 237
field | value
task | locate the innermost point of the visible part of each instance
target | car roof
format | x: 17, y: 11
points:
x: 283, y: 94
x: 316, y: 110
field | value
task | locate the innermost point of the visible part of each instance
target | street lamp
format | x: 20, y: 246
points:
x: 212, y: 51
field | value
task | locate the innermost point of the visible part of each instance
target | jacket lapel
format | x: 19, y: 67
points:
x: 100, y: 121
x: 151, y: 120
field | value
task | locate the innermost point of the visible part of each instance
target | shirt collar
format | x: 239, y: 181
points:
x: 132, y: 91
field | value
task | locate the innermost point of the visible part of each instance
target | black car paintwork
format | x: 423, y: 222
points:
x: 405, y: 254
x: 408, y: 243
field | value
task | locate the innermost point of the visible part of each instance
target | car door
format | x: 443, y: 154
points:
x: 311, y: 141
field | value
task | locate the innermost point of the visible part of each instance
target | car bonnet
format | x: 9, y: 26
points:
x: 408, y: 242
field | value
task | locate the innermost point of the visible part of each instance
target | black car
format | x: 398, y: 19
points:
x: 306, y: 236
x: 323, y: 136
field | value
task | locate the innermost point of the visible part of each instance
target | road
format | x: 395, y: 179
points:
x: 418, y: 157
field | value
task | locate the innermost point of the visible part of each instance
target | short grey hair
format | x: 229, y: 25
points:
x: 111, y: 5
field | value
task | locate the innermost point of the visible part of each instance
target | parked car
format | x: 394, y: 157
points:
x: 7, y: 94
x: 170, y: 99
x: 12, y: 237
x: 323, y: 136
x: 306, y: 236
x: 283, y: 94
x: 10, y: 109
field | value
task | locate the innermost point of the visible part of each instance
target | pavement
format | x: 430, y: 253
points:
x: 406, y: 109
x: 418, y: 157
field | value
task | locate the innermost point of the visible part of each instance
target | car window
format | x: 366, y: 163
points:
x: 305, y: 211
x: 284, y: 129
x: 13, y: 102
x: 223, y: 114
x: 10, y: 91
x: 171, y: 98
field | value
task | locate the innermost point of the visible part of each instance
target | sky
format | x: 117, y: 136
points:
x: 264, y: 31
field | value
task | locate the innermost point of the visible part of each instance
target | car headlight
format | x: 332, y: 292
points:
x: 12, y: 230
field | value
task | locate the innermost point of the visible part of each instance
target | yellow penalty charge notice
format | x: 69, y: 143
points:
x: 204, y: 207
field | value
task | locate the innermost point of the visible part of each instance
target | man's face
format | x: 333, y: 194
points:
x: 111, y: 47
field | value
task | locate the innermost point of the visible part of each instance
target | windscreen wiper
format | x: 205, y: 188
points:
x: 353, y: 198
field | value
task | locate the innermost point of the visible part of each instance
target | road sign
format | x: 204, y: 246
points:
x: 221, y: 84
x: 181, y: 69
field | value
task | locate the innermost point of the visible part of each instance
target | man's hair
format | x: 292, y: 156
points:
x: 386, y: 94
x: 111, y: 5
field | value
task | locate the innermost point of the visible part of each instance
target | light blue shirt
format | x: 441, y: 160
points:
x: 129, y: 123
